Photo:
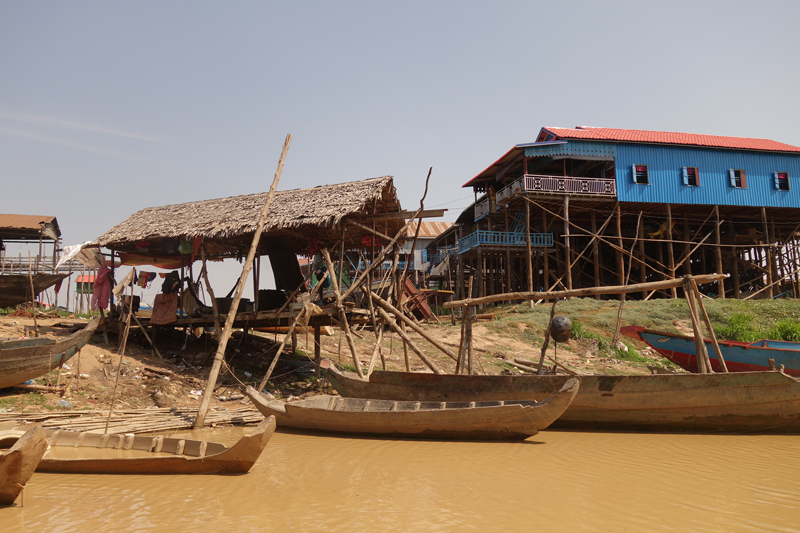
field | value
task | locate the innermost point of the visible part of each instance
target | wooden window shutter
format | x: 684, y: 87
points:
x: 743, y: 178
x: 777, y: 180
x: 633, y: 174
x: 732, y: 176
x: 685, y: 176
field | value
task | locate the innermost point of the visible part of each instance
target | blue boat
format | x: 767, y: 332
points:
x: 739, y: 356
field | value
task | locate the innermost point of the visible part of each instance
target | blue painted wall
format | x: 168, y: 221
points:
x: 665, y: 166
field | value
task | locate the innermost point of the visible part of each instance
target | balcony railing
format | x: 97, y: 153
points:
x: 443, y: 253
x: 561, y: 185
x: 482, y: 209
x: 503, y: 238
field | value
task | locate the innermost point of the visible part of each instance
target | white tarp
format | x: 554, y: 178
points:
x: 88, y: 256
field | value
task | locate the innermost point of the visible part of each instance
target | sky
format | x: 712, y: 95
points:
x: 110, y: 107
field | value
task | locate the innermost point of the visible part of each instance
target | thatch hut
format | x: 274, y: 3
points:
x: 226, y: 225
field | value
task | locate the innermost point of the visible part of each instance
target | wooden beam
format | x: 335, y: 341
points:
x: 403, y: 215
x: 588, y: 291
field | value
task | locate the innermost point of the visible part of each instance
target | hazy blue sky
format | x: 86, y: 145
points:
x: 110, y: 107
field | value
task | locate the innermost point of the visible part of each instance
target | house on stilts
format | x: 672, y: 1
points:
x: 588, y: 206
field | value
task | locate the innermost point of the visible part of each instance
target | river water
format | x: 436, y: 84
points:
x: 554, y: 481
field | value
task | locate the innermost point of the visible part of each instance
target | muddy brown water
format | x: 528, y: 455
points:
x: 555, y: 481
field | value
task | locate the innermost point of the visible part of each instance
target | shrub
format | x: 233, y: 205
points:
x: 738, y: 327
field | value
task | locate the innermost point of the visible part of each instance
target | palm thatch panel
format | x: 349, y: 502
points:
x: 306, y: 212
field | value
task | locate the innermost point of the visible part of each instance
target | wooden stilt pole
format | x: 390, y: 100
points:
x: 342, y: 313
x: 528, y: 244
x: 710, y: 328
x: 596, y: 255
x: 718, y: 251
x: 567, y: 250
x: 237, y: 296
x: 703, y: 362
x: 540, y: 368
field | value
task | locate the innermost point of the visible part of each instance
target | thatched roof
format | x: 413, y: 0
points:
x: 300, y: 213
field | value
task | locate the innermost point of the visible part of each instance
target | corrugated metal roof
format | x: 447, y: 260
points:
x: 665, y: 137
x: 85, y: 279
x: 28, y: 226
x: 429, y: 230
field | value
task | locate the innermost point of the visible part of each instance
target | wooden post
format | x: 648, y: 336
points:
x: 540, y: 369
x: 642, y: 265
x: 670, y: 250
x: 718, y: 252
x: 710, y: 328
x: 408, y: 341
x: 342, y: 313
x: 735, y: 262
x: 703, y: 363
x: 596, y: 255
x: 217, y: 328
x: 317, y: 350
x: 528, y: 243
x: 237, y: 296
x: 767, y: 252
x: 620, y: 258
x: 545, y: 255
x: 567, y: 251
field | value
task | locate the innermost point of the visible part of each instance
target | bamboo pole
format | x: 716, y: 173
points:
x: 529, y: 253
x: 296, y: 319
x: 342, y: 313
x: 33, y: 296
x: 540, y: 368
x: 214, y: 307
x: 121, y: 352
x: 409, y: 342
x: 710, y: 328
x: 703, y: 362
x: 587, y: 291
x: 226, y: 332
x: 410, y: 323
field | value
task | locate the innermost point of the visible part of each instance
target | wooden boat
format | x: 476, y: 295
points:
x: 164, y: 455
x: 18, y: 464
x: 492, y: 420
x: 739, y: 356
x: 31, y: 357
x: 741, y: 402
x: 15, y: 289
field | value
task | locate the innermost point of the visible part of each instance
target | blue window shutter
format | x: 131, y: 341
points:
x: 685, y: 176
x: 777, y: 180
x: 732, y: 175
x: 633, y: 174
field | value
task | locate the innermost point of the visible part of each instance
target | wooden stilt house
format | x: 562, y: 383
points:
x: 590, y: 206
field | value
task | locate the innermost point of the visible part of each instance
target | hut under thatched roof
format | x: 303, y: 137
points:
x: 226, y: 225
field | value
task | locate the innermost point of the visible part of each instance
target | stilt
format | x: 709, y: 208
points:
x: 670, y: 250
x: 596, y: 255
x: 767, y: 252
x: 718, y: 251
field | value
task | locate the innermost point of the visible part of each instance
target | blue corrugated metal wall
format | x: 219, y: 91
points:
x: 665, y: 167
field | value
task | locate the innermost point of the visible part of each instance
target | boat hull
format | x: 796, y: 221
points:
x: 439, y: 420
x: 739, y: 356
x: 15, y: 289
x: 167, y: 455
x: 745, y: 402
x: 28, y: 358
x: 19, y: 463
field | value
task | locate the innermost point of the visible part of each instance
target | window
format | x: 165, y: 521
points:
x: 738, y: 178
x: 691, y: 177
x: 781, y: 181
x: 640, y: 175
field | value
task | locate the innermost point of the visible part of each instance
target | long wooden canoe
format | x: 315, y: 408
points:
x: 742, y: 402
x: 484, y: 420
x: 739, y: 356
x: 19, y: 463
x: 31, y: 357
x: 164, y: 455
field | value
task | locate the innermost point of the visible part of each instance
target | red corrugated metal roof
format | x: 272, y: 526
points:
x: 665, y: 137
